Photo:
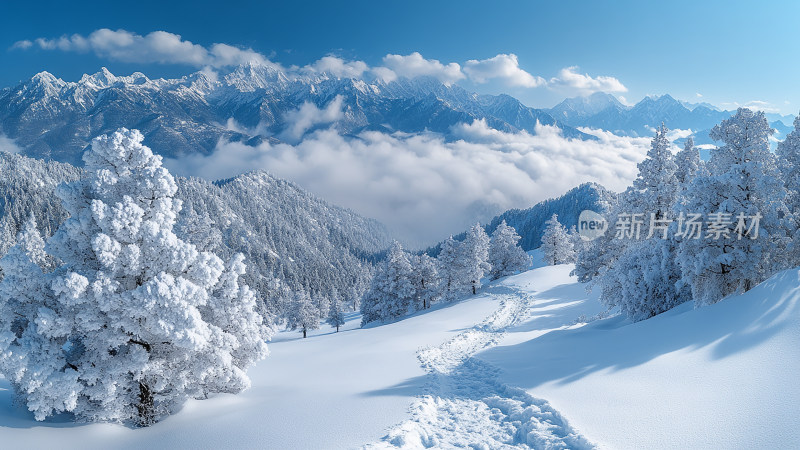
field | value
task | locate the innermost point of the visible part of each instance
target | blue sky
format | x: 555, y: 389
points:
x: 725, y: 53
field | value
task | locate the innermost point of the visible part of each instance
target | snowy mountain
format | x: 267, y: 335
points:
x: 605, y: 112
x: 530, y: 222
x: 285, y: 233
x: 581, y: 108
x: 55, y: 119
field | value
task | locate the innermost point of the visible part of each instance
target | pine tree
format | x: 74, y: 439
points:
x: 449, y: 267
x: 135, y: 321
x: 201, y: 231
x: 304, y: 315
x: 505, y: 256
x: 644, y: 279
x: 426, y: 281
x: 743, y: 179
x: 392, y: 291
x: 688, y: 163
x: 474, y: 259
x: 323, y: 305
x: 655, y: 188
x: 788, y: 153
x: 34, y: 363
x: 557, y: 246
x: 33, y: 244
x: 335, y: 314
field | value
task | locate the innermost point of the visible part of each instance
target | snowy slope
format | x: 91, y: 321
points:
x: 506, y: 368
x: 723, y: 376
x: 328, y: 391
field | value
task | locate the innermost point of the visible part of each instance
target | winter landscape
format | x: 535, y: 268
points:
x: 325, y: 226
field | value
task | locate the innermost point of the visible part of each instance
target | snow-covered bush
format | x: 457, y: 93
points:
x: 135, y: 320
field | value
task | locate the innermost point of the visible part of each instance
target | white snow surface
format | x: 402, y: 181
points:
x: 509, y: 368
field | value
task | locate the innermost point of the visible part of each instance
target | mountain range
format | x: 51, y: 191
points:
x: 54, y: 119
x: 605, y: 111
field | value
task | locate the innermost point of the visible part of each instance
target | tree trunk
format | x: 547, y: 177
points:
x: 474, y: 291
x: 146, y: 405
x: 337, y: 328
x: 304, y: 332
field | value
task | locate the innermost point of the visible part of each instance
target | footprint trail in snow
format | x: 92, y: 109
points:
x: 466, y: 406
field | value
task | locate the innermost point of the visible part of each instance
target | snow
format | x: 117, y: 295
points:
x: 722, y: 376
x: 331, y: 390
x: 505, y: 368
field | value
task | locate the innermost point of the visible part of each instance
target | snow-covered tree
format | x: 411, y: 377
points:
x: 304, y: 314
x: 743, y: 179
x: 35, y: 364
x: 688, y: 163
x: 449, y: 268
x: 335, y: 313
x: 788, y: 153
x: 427, y: 287
x: 474, y: 259
x: 638, y: 274
x: 655, y: 188
x: 32, y: 243
x: 135, y: 321
x: 557, y: 246
x: 200, y: 231
x: 505, y: 256
x: 392, y: 291
x: 323, y: 305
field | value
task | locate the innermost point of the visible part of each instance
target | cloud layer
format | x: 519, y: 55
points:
x: 8, y: 145
x: 424, y: 186
x: 156, y: 47
x: 161, y: 47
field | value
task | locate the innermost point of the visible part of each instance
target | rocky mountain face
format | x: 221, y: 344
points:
x: 54, y: 119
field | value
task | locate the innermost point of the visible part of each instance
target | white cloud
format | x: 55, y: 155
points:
x: 699, y: 95
x: 755, y: 105
x: 8, y: 145
x: 414, y: 65
x: 424, y: 186
x: 156, y: 47
x: 760, y: 105
x: 22, y: 45
x: 570, y: 80
x: 384, y: 73
x: 504, y: 67
x: 338, y: 67
x: 308, y: 116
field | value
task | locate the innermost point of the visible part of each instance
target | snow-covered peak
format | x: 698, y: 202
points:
x: 46, y: 82
x: 103, y: 78
x: 252, y: 75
